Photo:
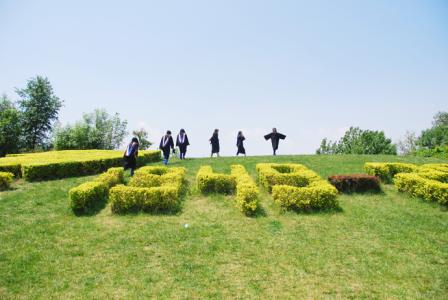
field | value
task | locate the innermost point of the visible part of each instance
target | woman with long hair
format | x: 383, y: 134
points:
x: 182, y: 142
x: 240, y: 143
x: 214, y: 141
x: 130, y: 155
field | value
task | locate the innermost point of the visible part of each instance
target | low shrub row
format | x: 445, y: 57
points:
x: 294, y: 186
x: 387, y: 171
x: 35, y: 167
x: 355, y: 183
x: 419, y: 186
x: 210, y: 182
x: 151, y: 189
x: 93, y: 193
x: 246, y: 190
x: 5, y: 180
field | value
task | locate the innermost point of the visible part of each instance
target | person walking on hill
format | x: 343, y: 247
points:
x: 214, y: 141
x: 182, y: 142
x: 240, y: 143
x: 275, y: 139
x: 130, y: 155
x: 166, y: 144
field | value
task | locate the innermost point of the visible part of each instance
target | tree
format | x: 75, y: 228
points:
x: 358, y: 141
x: 142, y: 136
x: 96, y: 130
x: 40, y: 108
x: 10, y: 127
x: 437, y: 135
x: 408, y: 144
x: 440, y: 119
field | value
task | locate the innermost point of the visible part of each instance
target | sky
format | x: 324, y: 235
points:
x: 310, y: 68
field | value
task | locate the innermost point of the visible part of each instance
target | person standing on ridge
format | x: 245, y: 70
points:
x: 275, y: 139
x: 214, y: 141
x: 166, y: 144
x: 182, y: 142
x: 240, y: 143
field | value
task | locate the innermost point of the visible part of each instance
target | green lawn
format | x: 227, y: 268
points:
x: 377, y: 246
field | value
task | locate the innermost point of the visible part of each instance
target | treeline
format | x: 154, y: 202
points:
x: 31, y: 124
x: 431, y: 142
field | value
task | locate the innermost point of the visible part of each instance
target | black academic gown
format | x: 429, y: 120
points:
x: 275, y: 139
x: 130, y: 156
x: 166, y: 146
x: 214, y: 140
x: 182, y: 146
x: 240, y: 145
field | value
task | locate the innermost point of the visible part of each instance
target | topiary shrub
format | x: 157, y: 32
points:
x: 386, y: 171
x: 246, y: 190
x: 419, y: 186
x: 5, y: 180
x: 355, y: 183
x: 88, y: 195
x: 210, y: 182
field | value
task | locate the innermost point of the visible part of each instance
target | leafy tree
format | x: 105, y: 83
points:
x: 96, y: 130
x: 408, y: 144
x: 10, y: 127
x: 142, y: 136
x: 440, y: 119
x: 40, y: 108
x: 437, y: 135
x: 358, y: 141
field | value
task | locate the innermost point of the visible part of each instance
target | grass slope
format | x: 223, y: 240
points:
x: 378, y: 246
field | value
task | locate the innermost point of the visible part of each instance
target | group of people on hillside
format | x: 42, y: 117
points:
x: 167, y: 145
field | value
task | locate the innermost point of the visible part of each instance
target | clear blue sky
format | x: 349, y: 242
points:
x: 310, y: 68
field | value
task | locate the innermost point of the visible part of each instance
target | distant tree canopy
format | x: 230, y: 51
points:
x: 10, y: 127
x: 39, y: 110
x: 437, y: 135
x: 358, y: 141
x: 142, y: 136
x: 96, y: 130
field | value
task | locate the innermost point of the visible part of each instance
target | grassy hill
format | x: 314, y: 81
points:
x: 383, y: 246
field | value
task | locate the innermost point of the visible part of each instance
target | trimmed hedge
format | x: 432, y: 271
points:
x: 150, y: 189
x: 246, y: 190
x: 355, y: 183
x: 43, y: 166
x: 210, y: 182
x: 418, y: 186
x: 90, y: 194
x: 5, y: 180
x: 294, y: 186
x: 386, y: 171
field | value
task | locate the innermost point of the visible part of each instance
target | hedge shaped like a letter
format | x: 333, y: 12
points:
x: 294, y: 186
x: 246, y: 190
x: 429, y: 182
x: 386, y: 171
x: 5, y: 180
x: 151, y: 189
x: 90, y: 194
x: 211, y: 182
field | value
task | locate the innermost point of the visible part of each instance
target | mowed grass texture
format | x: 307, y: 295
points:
x: 384, y: 245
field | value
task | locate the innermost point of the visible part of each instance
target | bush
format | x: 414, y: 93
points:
x: 62, y: 164
x: 150, y: 189
x: 418, y: 186
x: 246, y: 190
x: 294, y: 186
x: 88, y: 195
x: 112, y: 177
x: 210, y: 182
x: 5, y: 180
x: 386, y: 171
x: 355, y: 183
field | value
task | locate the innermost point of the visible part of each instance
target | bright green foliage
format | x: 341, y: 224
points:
x: 151, y: 189
x: 419, y: 186
x: 294, y: 186
x: 10, y: 127
x: 92, y: 193
x: 386, y: 171
x: 210, y: 182
x: 246, y: 190
x: 68, y: 163
x: 5, y: 180
x: 142, y: 136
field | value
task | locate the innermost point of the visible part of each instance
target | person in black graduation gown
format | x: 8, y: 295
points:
x: 182, y: 142
x: 166, y: 144
x: 275, y: 139
x: 240, y: 143
x: 214, y: 141
x: 130, y: 155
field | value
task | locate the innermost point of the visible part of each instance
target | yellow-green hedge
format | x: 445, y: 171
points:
x: 68, y: 163
x: 150, y: 189
x: 92, y: 193
x: 210, y: 182
x: 5, y: 180
x: 246, y: 190
x: 386, y: 171
x: 418, y: 186
x: 294, y: 186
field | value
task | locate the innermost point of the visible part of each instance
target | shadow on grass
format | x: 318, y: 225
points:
x: 315, y: 211
x: 90, y: 211
x: 260, y: 212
